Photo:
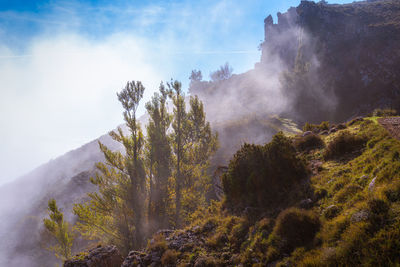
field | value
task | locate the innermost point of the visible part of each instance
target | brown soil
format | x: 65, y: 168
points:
x: 392, y: 125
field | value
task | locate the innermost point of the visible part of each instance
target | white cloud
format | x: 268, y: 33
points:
x: 62, y: 94
x: 57, y: 91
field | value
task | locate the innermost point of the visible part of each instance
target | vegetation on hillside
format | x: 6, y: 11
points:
x: 60, y: 230
x: 262, y: 176
x: 159, y: 180
x: 326, y: 197
x: 347, y: 215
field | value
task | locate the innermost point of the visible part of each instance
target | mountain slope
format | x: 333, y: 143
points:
x: 24, y: 202
x: 346, y: 213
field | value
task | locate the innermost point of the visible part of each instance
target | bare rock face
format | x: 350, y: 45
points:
x: 108, y: 256
x: 350, y: 50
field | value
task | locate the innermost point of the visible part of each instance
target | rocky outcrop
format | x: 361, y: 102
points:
x: 167, y: 248
x: 107, y: 256
x: 350, y: 51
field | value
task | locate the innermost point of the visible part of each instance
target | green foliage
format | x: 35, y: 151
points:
x: 158, y: 157
x: 260, y: 176
x: 238, y: 233
x: 296, y: 227
x: 167, y: 167
x: 325, y: 125
x: 208, y: 261
x: 347, y: 193
x: 169, y: 257
x: 115, y: 214
x: 349, y: 223
x: 384, y: 112
x: 192, y: 143
x: 308, y: 142
x: 343, y: 144
x: 392, y: 192
x: 331, y: 212
x: 60, y: 230
x: 158, y: 244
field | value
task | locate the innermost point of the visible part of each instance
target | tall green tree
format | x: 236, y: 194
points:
x: 115, y: 214
x: 179, y: 138
x: 193, y: 144
x: 60, y: 230
x: 159, y: 159
x: 200, y: 145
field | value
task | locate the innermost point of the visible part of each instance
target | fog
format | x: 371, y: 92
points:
x: 58, y: 83
x: 60, y: 94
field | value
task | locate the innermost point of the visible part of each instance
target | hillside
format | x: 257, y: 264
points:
x: 65, y: 178
x: 319, y: 62
x: 345, y: 212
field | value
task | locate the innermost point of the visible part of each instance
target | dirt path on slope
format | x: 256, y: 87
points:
x: 392, y: 125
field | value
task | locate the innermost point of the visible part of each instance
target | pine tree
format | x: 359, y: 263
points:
x: 115, y: 214
x: 193, y: 144
x: 158, y: 159
x: 60, y: 230
x: 179, y: 125
x: 201, y: 145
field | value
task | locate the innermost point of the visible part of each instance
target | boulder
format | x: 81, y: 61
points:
x: 100, y: 256
x: 359, y: 216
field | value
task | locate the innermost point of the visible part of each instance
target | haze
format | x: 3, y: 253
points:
x: 61, y: 63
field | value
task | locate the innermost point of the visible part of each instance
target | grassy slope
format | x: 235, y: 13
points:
x: 360, y: 225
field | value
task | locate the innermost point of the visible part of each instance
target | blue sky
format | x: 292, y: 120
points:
x: 61, y: 63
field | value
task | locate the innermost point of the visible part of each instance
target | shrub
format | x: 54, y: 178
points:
x: 320, y: 193
x: 208, y: 261
x: 260, y: 176
x: 387, y: 112
x: 393, y: 192
x: 378, y: 213
x: 344, y: 143
x: 383, y: 249
x: 238, y: 233
x: 218, y: 240
x: 316, y: 127
x: 331, y: 212
x: 158, y: 244
x: 297, y: 227
x: 308, y: 142
x: 347, y: 192
x: 169, y: 257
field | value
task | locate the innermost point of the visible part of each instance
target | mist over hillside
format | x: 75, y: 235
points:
x: 318, y: 62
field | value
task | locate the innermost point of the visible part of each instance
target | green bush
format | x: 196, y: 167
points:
x: 325, y: 125
x: 169, y: 257
x: 378, y: 211
x: 387, y: 112
x: 393, y: 192
x: 158, y: 243
x: 347, y: 193
x: 383, y: 249
x: 208, y: 261
x: 297, y: 227
x: 261, y: 176
x: 308, y: 142
x: 238, y: 233
x: 344, y: 143
x: 331, y: 212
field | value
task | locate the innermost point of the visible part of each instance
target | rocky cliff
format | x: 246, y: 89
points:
x: 352, y: 52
